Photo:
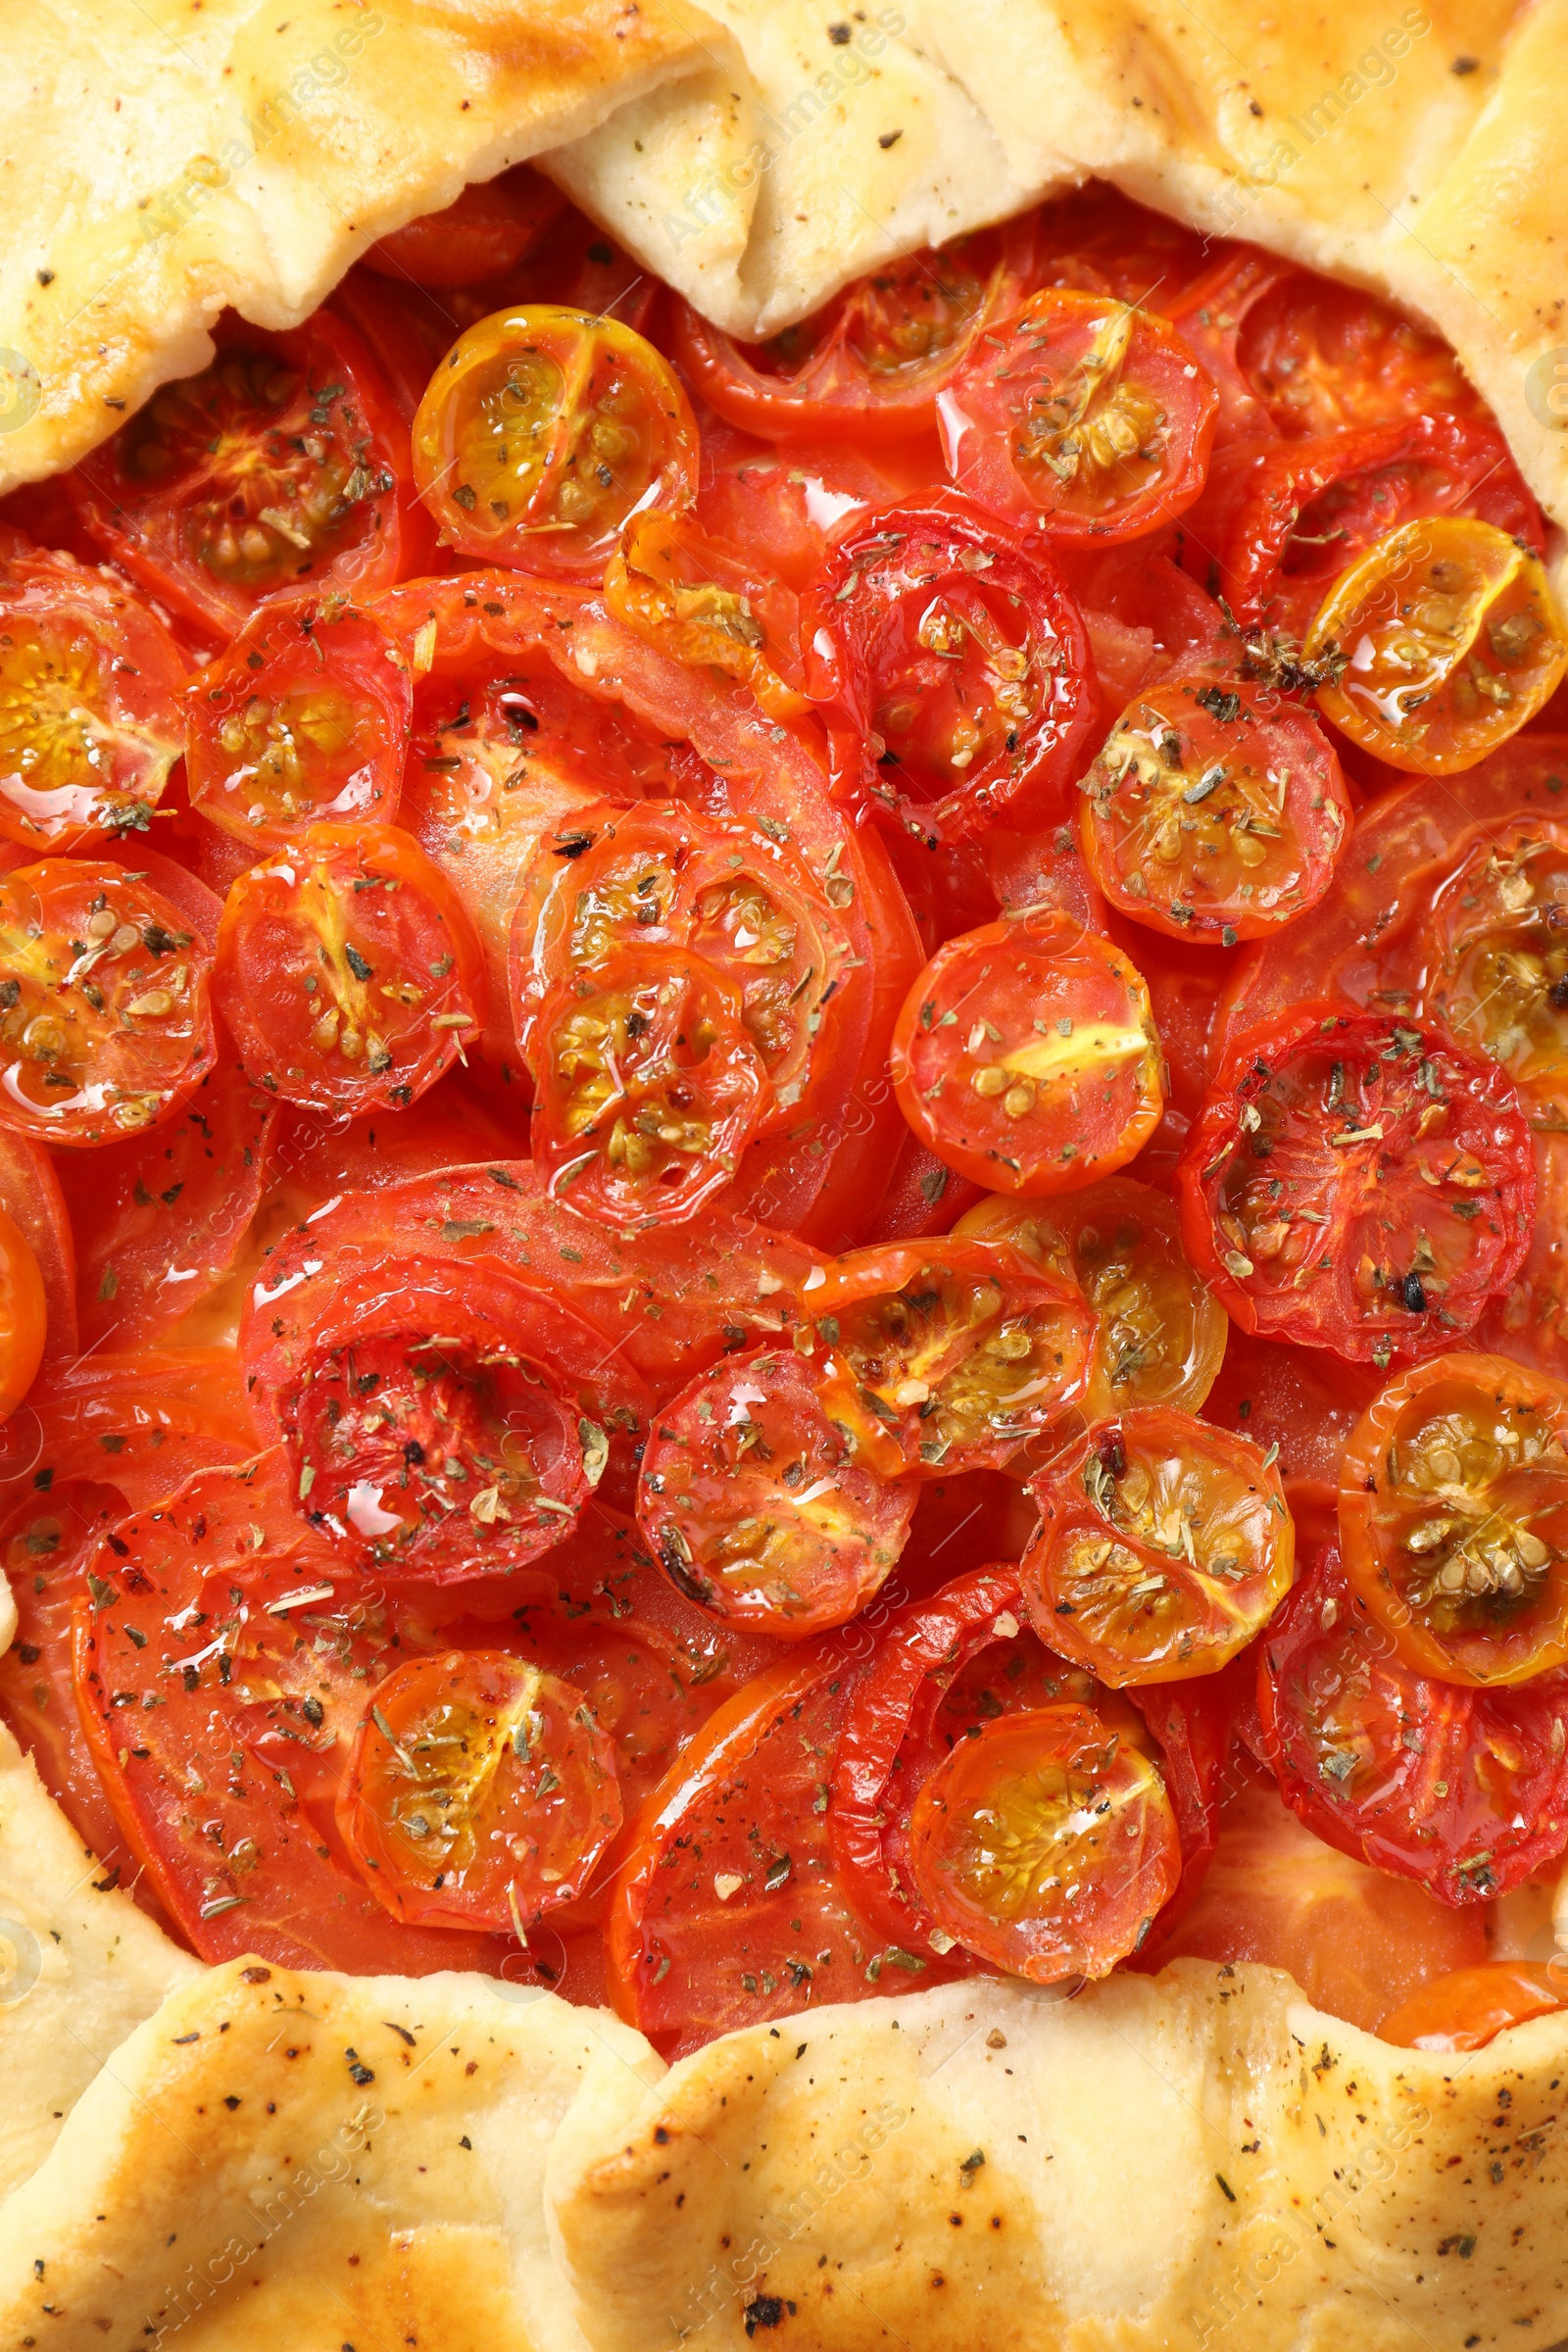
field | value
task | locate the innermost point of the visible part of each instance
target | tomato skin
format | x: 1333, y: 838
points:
x: 1465, y: 1791
x: 351, y: 904
x: 1464, y: 1125
x: 23, y: 1316
x: 1018, y: 423
x: 885, y: 629
x: 1321, y: 358
x: 707, y: 604
x: 485, y: 229
x: 1470, y: 2007
x: 30, y: 1196
x: 923, y: 1197
x: 1079, y: 1110
x: 160, y: 499
x: 311, y: 699
x: 1491, y: 1608
x: 1302, y: 1400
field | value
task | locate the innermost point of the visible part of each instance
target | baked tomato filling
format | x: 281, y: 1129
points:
x: 797, y: 1218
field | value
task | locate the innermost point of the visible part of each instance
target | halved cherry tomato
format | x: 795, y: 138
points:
x: 305, y: 717
x: 481, y: 1791
x: 649, y: 1086
x: 221, y: 1679
x: 1161, y: 1334
x: 1359, y: 1184
x: 1027, y: 1058
x: 1324, y: 358
x: 31, y: 1198
x: 347, y: 970
x: 1045, y: 1844
x: 1472, y: 2006
x: 1465, y: 1791
x: 543, y: 430
x: 705, y: 604
x: 1164, y: 1545
x: 1079, y: 415
x: 91, y: 723
x: 867, y: 366
x: 1488, y: 938
x: 1454, y: 1518
x: 1439, y: 644
x: 486, y: 229
x: 954, y: 668
x: 284, y: 461
x: 1213, y: 811
x: 106, y: 1021
x: 945, y: 1356
x: 436, y: 1427
x: 759, y: 1503
x: 1299, y: 1399
x: 23, y: 1316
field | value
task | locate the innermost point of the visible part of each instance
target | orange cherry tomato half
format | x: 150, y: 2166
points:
x: 481, y: 1791
x: 942, y: 1356
x: 1213, y: 811
x: 649, y: 1087
x: 1472, y: 2006
x: 1454, y: 1518
x: 1081, y: 415
x: 485, y: 230
x: 435, y: 1425
x: 105, y: 1020
x: 1164, y: 1545
x: 760, y: 1503
x: 283, y: 462
x: 91, y: 723
x: 705, y: 604
x: 1026, y: 1055
x: 1359, y: 1183
x: 1045, y: 1844
x: 347, y: 970
x: 305, y: 717
x: 1439, y: 644
x: 1159, y: 1334
x: 23, y: 1316
x: 543, y: 430
x: 1465, y: 1791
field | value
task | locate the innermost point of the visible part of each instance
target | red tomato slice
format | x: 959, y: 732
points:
x: 1465, y: 1791
x: 23, y: 1316
x: 1472, y: 2006
x: 31, y: 1198
x: 1082, y: 417
x: 105, y: 1023
x: 1329, y: 359
x: 486, y: 229
x: 159, y: 1219
x: 1454, y: 1518
x: 758, y: 1501
x: 1357, y: 1184
x: 348, y: 970
x: 1164, y: 1545
x: 1026, y: 1055
x: 216, y: 1642
x: 1213, y: 811
x: 91, y: 723
x: 954, y: 668
x: 284, y: 461
x: 305, y: 717
x: 1299, y: 1399
x: 543, y: 430
x: 481, y: 1791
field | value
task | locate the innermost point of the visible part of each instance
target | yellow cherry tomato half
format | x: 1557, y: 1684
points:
x: 1451, y: 639
x: 543, y: 430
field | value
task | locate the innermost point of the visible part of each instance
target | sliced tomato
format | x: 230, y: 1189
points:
x: 221, y: 1678
x: 31, y: 1198
x: 1081, y: 415
x: 284, y: 461
x: 481, y: 1791
x: 1487, y: 941
x: 23, y: 1316
x: 486, y: 229
x: 91, y: 723
x: 1300, y: 1400
x: 1146, y: 618
x: 1027, y: 1058
x: 1465, y: 1791
x: 954, y: 665
x: 707, y: 606
x: 437, y: 1426
x: 1100, y: 241
x: 348, y: 970
x: 760, y: 1502
x: 1471, y: 2006
x: 1164, y: 1545
x: 1214, y: 310
x: 1454, y: 1518
x: 1161, y: 1334
x: 922, y: 1197
x: 1357, y: 1184
x: 1439, y: 644
x: 543, y: 430
x: 305, y: 717
x: 1213, y: 811
x: 105, y: 1020
x: 1323, y: 358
